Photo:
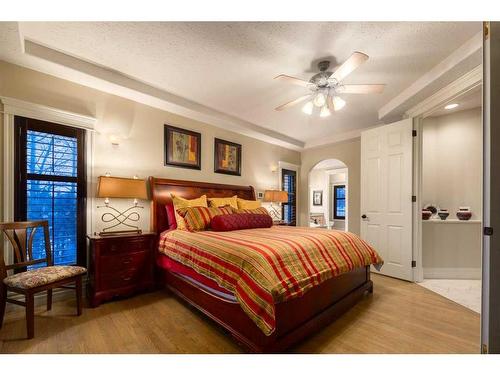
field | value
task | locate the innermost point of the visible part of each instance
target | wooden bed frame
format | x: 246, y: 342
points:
x: 295, y: 318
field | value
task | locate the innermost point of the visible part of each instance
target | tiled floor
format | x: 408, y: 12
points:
x: 465, y: 292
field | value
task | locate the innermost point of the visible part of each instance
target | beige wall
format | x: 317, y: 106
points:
x: 140, y: 151
x: 451, y: 168
x: 451, y: 161
x: 348, y: 152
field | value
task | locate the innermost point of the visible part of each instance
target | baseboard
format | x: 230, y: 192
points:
x: 452, y: 273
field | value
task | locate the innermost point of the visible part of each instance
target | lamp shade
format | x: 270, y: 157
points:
x: 275, y: 196
x: 118, y: 187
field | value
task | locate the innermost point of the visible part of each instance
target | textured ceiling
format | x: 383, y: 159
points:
x: 230, y: 66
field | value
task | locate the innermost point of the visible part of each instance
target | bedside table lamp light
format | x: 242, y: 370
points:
x: 275, y: 196
x: 122, y: 188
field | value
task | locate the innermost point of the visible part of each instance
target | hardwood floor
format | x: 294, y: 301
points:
x: 400, y: 317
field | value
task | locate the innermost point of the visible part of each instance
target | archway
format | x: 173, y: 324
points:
x: 328, y: 195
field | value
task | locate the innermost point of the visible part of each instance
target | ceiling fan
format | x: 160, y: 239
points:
x: 326, y: 86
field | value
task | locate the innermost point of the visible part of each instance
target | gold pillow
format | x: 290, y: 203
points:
x: 221, y: 202
x: 259, y: 211
x: 244, y: 204
x: 183, y: 203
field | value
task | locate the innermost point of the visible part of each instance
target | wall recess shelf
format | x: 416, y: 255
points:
x: 452, y: 221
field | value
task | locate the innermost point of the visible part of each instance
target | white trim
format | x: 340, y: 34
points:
x: 467, y: 82
x: 452, y: 273
x: 8, y: 177
x: 454, y: 59
x: 418, y: 271
x: 19, y: 107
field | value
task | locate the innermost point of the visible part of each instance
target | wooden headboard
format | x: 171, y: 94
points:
x: 161, y: 189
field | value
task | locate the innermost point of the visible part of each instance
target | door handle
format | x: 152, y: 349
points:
x: 364, y: 217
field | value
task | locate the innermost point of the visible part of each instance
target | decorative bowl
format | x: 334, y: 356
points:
x: 443, y: 214
x: 426, y: 214
x: 431, y: 208
x: 464, y: 215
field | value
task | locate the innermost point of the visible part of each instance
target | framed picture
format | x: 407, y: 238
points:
x: 317, y: 197
x: 227, y: 157
x: 182, y: 148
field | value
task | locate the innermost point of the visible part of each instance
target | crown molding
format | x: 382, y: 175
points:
x: 460, y: 86
x: 17, y: 107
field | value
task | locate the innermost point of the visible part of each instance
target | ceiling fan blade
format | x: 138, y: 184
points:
x: 356, y: 59
x: 329, y: 103
x: 292, y: 103
x: 290, y: 79
x: 362, y: 89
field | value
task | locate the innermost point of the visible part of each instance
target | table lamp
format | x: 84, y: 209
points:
x: 275, y: 196
x: 122, y: 188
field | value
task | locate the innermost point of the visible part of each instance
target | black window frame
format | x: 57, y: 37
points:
x: 336, y: 199
x: 292, y: 197
x: 21, y: 126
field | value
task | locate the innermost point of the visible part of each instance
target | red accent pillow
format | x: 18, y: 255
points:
x: 224, y: 223
x: 172, y: 223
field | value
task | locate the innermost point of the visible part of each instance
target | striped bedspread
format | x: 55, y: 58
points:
x: 263, y: 267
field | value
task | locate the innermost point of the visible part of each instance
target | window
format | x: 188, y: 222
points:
x: 50, y: 175
x: 289, y: 184
x: 339, y: 202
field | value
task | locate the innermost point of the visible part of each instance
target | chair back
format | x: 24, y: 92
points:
x: 21, y: 235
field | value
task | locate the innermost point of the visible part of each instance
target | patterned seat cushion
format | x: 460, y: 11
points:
x: 42, y: 276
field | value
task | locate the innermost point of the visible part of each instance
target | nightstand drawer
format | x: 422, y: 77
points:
x: 123, y: 262
x: 120, y: 279
x: 115, y: 246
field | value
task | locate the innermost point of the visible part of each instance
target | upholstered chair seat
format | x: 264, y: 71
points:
x: 42, y: 276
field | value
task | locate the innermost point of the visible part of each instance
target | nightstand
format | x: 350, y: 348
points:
x: 120, y: 265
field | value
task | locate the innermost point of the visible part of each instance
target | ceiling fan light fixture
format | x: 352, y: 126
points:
x: 308, y: 108
x: 319, y: 99
x: 325, y: 112
x: 338, y: 103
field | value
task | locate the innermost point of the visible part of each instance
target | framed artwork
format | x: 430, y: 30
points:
x: 182, y: 148
x: 317, y: 197
x: 227, y: 157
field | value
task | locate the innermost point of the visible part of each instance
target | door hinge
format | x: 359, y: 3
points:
x: 413, y: 263
x: 414, y: 133
x: 488, y: 231
x: 484, y: 349
x: 413, y: 198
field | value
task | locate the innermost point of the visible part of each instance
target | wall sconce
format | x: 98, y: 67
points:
x: 274, y: 168
x: 114, y: 139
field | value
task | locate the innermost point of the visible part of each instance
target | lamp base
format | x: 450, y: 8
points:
x: 119, y: 232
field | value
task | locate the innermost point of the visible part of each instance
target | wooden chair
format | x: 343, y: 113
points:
x: 28, y: 283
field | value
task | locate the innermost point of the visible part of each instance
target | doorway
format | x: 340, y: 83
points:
x: 451, y: 200
x: 328, y: 195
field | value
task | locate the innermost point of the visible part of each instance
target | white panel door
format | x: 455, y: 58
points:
x: 386, y: 190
